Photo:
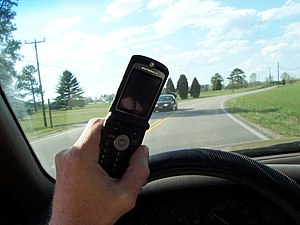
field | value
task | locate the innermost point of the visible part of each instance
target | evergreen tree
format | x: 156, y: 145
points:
x: 195, y: 88
x: 182, y: 87
x: 70, y: 93
x: 9, y: 48
x: 170, y: 86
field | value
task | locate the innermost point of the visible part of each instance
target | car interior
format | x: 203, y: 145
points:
x: 192, y: 186
x: 225, y: 185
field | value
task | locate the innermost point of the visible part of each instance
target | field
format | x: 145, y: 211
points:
x: 277, y: 110
x: 33, y: 125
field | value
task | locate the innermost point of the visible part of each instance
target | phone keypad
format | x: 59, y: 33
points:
x: 118, y: 146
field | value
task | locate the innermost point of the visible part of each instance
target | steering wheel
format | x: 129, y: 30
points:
x: 276, y: 186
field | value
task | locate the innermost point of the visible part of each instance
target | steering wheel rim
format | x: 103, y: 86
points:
x: 273, y: 184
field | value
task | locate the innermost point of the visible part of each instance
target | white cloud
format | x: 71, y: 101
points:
x: 283, y: 48
x: 226, y: 46
x: 168, y: 48
x: 207, y: 54
x: 261, y: 42
x: 214, y: 59
x: 292, y: 30
x: 273, y: 51
x: 284, y: 45
x: 218, y: 20
x: 121, y: 8
x: 153, y: 4
x: 291, y: 7
x: 62, y: 24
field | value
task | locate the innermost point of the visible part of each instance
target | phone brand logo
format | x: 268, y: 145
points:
x: 148, y: 70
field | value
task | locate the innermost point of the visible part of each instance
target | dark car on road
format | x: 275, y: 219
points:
x: 166, y: 102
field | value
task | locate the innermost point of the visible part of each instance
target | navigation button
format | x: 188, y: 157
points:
x: 121, y: 142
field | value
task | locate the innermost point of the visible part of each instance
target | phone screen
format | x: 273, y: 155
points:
x: 140, y: 91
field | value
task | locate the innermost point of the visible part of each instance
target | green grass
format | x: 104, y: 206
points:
x: 277, y: 110
x: 33, y: 125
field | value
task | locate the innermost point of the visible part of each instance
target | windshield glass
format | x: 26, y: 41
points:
x: 234, y: 69
x: 163, y: 98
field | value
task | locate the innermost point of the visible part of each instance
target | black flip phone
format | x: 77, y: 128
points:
x: 127, y: 121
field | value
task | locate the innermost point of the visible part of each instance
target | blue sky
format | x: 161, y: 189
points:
x: 95, y: 39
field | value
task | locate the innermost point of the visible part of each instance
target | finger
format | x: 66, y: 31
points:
x: 90, y: 138
x: 138, y: 171
x: 59, y: 161
x: 91, y: 132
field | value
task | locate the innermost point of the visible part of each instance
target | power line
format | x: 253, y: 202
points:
x: 295, y: 68
x: 39, y: 75
x: 76, y: 70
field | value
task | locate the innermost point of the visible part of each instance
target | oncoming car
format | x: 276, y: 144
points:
x: 230, y: 155
x: 166, y: 102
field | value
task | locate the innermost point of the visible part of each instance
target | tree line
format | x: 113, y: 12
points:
x: 182, y: 88
x: 237, y: 79
x: 69, y: 92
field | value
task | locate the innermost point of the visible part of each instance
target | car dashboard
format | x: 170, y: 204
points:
x: 193, y: 199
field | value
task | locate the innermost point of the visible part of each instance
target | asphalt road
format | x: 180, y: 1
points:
x: 203, y: 122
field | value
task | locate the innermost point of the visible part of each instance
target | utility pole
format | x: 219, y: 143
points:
x: 39, y: 74
x: 270, y: 75
x: 278, y: 73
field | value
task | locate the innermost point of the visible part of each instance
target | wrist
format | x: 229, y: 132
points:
x: 62, y: 219
x: 81, y: 219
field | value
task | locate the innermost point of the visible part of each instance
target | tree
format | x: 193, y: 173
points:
x: 27, y: 82
x: 237, y: 78
x: 216, y: 82
x: 288, y: 78
x: 182, y: 87
x: 195, y: 88
x: 70, y: 93
x: 9, y: 48
x: 253, y: 77
x: 170, y: 86
x: 205, y: 87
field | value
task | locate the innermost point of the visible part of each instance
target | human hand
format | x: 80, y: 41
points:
x: 84, y: 193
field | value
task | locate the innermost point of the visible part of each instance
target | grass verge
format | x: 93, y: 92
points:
x: 62, y: 120
x: 276, y: 110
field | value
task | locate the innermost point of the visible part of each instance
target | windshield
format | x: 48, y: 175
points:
x: 163, y: 98
x: 234, y: 69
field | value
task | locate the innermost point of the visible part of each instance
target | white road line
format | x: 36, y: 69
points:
x: 56, y: 135
x: 250, y: 129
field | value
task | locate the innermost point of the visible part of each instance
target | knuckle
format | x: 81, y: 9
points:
x: 59, y: 157
x: 127, y: 200
x: 68, y: 158
x: 73, y: 155
x: 95, y: 121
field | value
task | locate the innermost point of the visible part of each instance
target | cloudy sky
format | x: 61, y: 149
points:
x: 95, y: 39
